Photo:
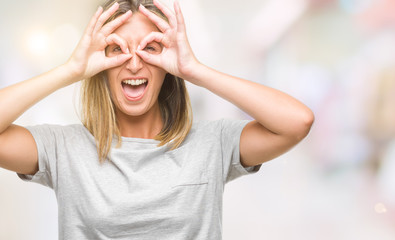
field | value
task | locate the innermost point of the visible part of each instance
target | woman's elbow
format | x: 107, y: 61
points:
x: 302, y: 125
x: 305, y: 123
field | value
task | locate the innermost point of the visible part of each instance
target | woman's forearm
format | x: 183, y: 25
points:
x: 17, y: 98
x: 275, y: 110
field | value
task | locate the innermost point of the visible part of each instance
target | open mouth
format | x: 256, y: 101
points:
x: 134, y: 88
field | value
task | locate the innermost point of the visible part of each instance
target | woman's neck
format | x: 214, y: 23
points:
x: 145, y: 126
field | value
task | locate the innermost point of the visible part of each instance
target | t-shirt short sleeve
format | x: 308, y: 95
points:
x: 47, y: 141
x: 230, y: 144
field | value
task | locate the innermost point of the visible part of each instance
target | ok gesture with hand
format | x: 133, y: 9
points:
x: 176, y: 57
x: 89, y: 57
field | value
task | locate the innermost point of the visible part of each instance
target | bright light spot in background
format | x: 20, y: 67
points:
x: 38, y: 43
x: 380, y: 208
x: 50, y: 47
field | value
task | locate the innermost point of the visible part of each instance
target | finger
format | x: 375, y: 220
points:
x: 116, y: 60
x: 168, y: 13
x: 149, y: 58
x: 159, y: 22
x: 93, y: 21
x: 153, y: 36
x: 105, y: 16
x: 115, y: 39
x: 180, y: 18
x: 114, y: 24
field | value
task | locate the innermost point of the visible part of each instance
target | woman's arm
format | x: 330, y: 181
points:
x: 18, y: 150
x: 17, y: 147
x: 280, y: 120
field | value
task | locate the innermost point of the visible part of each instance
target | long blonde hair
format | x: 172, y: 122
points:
x: 98, y: 113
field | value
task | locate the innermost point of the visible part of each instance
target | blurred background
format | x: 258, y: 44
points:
x: 336, y: 56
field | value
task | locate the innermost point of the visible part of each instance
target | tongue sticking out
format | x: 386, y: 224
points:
x: 134, y: 91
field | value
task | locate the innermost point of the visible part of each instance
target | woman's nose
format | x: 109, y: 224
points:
x: 134, y: 64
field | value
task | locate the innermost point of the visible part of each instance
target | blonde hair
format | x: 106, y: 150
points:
x: 98, y: 111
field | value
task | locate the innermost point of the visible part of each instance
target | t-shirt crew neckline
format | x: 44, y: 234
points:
x: 140, y: 140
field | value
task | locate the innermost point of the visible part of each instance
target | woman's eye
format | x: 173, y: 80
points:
x: 153, y: 48
x: 113, y: 50
x: 150, y: 49
x: 117, y: 49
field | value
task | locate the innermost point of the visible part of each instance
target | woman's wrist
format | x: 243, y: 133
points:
x: 68, y: 74
x: 195, y: 73
x: 73, y: 71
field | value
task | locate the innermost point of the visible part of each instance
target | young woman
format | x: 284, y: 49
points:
x: 137, y: 168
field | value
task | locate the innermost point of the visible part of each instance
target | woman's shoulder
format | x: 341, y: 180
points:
x: 203, y: 124
x: 215, y: 128
x: 206, y: 127
x: 57, y: 127
x: 217, y: 125
x: 64, y: 131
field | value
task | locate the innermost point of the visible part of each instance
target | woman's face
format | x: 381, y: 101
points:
x: 135, y: 85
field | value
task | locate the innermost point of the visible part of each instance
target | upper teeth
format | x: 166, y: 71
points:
x: 135, y: 82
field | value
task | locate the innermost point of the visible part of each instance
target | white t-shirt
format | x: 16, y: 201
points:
x: 144, y: 192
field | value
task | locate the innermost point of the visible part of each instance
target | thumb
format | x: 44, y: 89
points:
x: 149, y: 58
x: 117, y: 60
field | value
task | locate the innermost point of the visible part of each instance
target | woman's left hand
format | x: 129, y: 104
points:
x: 176, y: 56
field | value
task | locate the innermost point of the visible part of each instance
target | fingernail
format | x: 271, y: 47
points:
x: 127, y: 50
x: 138, y: 47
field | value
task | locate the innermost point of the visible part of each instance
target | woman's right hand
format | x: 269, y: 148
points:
x: 89, y: 57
